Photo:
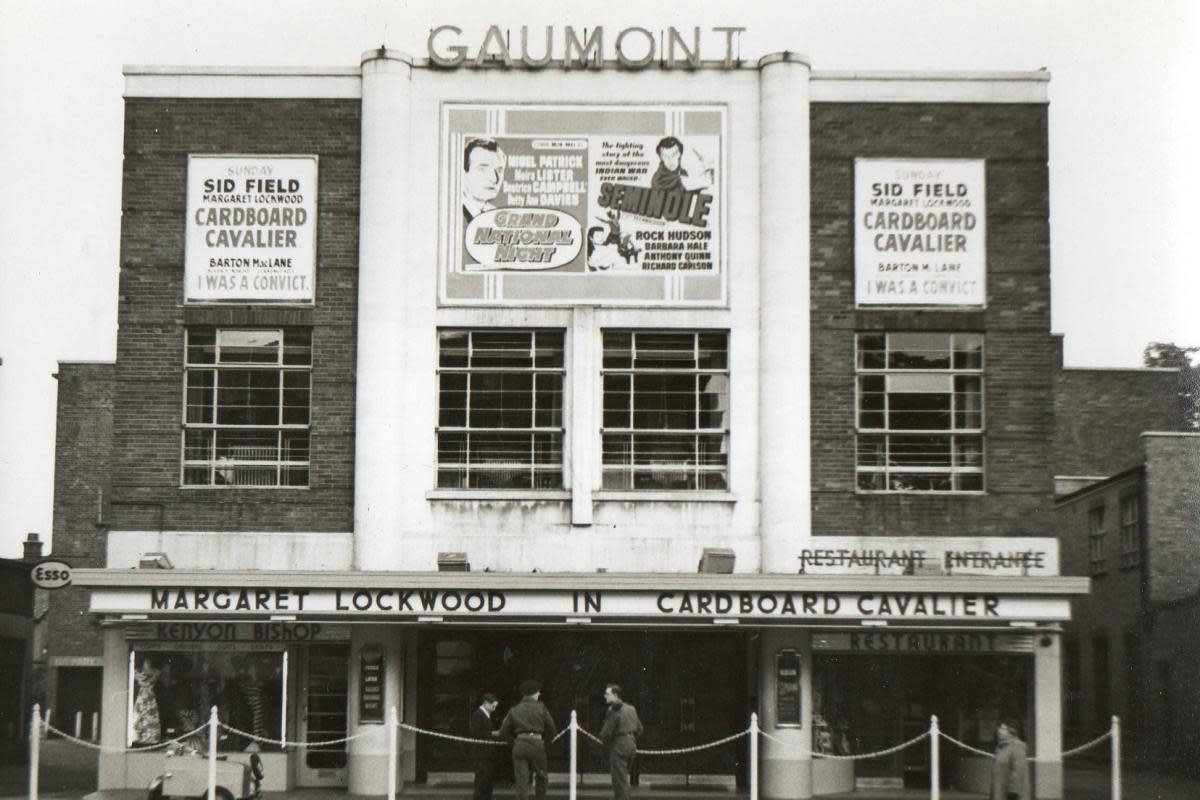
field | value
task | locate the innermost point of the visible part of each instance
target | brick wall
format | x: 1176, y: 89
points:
x: 1020, y: 354
x: 1100, y: 413
x: 159, y: 136
x: 1173, y: 516
x: 82, y: 490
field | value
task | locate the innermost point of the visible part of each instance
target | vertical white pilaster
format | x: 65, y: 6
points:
x: 368, y: 755
x: 114, y: 709
x: 786, y: 772
x: 784, y: 425
x: 582, y: 423
x: 383, y: 243
x: 1047, y: 709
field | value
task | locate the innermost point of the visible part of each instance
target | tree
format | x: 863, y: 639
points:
x: 1169, y: 354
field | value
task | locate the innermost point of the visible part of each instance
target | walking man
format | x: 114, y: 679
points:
x: 619, y: 735
x: 1010, y: 770
x: 483, y: 757
x: 528, y: 725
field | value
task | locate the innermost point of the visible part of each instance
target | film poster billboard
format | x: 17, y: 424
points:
x: 919, y: 232
x: 251, y: 229
x: 588, y: 199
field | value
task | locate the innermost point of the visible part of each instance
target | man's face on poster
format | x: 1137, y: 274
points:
x: 484, y: 173
x: 670, y: 157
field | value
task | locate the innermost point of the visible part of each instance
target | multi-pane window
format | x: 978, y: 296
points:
x: 1131, y: 539
x: 666, y: 410
x: 246, y: 407
x: 920, y: 412
x: 1096, y: 556
x: 500, y: 409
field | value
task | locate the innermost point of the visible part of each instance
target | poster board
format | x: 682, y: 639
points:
x: 583, y: 204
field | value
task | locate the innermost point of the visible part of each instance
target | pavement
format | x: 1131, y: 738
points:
x: 69, y: 773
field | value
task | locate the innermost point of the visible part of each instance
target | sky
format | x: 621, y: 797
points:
x: 1124, y: 159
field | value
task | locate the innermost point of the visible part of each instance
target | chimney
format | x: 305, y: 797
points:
x: 33, y: 547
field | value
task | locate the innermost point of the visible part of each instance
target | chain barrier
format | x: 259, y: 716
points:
x: 857, y: 756
x: 452, y: 737
x: 288, y: 743
x: 1065, y: 754
x: 48, y: 728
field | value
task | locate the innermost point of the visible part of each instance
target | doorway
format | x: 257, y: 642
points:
x: 323, y: 716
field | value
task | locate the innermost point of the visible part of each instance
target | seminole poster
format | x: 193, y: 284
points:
x: 586, y: 199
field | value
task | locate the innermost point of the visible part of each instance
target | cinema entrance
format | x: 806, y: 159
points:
x: 690, y: 687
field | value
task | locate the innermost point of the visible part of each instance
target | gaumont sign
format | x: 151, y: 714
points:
x: 573, y: 47
x: 402, y: 603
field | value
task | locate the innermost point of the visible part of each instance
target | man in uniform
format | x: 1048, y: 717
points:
x: 483, y: 756
x: 619, y: 735
x: 528, y: 725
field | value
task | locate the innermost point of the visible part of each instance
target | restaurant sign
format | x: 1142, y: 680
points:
x: 929, y: 555
x: 414, y: 604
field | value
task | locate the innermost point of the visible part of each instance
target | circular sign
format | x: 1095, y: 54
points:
x: 523, y: 239
x: 51, y: 574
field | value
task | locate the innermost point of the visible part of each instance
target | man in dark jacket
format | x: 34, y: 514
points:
x: 619, y: 735
x: 483, y: 756
x: 528, y: 725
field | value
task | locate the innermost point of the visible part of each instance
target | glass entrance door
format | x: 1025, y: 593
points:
x: 323, y: 716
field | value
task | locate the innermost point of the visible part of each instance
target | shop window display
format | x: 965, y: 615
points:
x: 172, y: 693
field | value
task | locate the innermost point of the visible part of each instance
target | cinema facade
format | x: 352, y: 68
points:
x: 729, y: 381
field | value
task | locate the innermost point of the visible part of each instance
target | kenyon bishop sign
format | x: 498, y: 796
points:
x: 251, y: 228
x: 919, y: 233
x: 592, y: 196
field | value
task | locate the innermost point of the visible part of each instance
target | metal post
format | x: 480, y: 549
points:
x: 935, y: 760
x: 213, y: 732
x: 393, y: 756
x: 78, y: 724
x: 1116, y: 758
x: 95, y: 726
x: 571, y: 788
x: 753, y: 755
x: 35, y: 746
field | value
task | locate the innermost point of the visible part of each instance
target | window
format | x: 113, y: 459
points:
x: 171, y: 692
x: 500, y: 409
x: 920, y: 412
x: 1096, y: 540
x: 246, y: 407
x: 1131, y: 539
x: 666, y: 410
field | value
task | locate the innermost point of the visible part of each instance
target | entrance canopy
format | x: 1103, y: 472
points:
x: 642, y: 598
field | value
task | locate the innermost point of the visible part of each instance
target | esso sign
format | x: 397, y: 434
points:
x: 51, y: 574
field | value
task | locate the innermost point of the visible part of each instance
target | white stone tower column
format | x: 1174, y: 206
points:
x: 784, y: 418
x: 383, y: 239
x: 786, y: 479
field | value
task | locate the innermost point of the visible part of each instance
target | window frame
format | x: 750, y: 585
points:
x: 1097, y: 532
x: 281, y: 366
x: 1130, y: 530
x: 888, y: 435
x: 694, y: 472
x: 534, y: 430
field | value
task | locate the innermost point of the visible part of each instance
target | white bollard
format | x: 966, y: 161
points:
x: 95, y: 737
x: 753, y: 756
x: 935, y: 759
x: 1116, y: 758
x: 35, y: 746
x: 393, y: 756
x: 213, y: 732
x: 78, y: 724
x: 571, y: 789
